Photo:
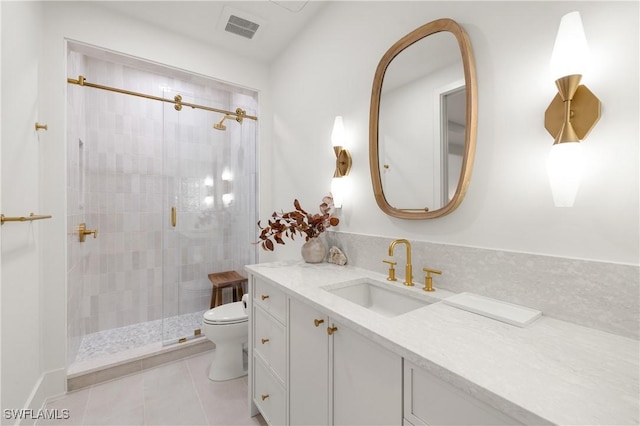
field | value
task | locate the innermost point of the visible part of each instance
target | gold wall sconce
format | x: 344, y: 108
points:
x: 573, y: 112
x: 343, y: 162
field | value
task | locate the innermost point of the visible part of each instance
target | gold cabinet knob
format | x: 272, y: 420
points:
x: 317, y: 322
x: 331, y: 330
x: 264, y: 396
x: 264, y: 341
x: 264, y: 296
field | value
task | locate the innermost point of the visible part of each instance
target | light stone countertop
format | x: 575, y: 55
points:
x: 551, y: 372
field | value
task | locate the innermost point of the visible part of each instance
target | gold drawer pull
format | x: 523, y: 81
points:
x: 265, y: 396
x: 265, y: 296
x: 265, y: 341
x: 317, y: 322
x: 331, y: 330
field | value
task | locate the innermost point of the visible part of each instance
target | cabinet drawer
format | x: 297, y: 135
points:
x: 268, y: 395
x: 269, y: 341
x: 429, y: 400
x: 270, y: 298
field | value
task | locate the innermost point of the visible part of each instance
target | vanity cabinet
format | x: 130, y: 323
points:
x: 429, y: 400
x: 268, y: 351
x: 309, y: 369
x: 339, y: 378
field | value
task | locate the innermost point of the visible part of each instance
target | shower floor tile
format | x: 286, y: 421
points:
x: 109, y: 342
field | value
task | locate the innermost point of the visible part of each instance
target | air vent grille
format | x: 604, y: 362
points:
x: 241, y: 27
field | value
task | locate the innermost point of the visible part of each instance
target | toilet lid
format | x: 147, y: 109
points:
x: 229, y: 313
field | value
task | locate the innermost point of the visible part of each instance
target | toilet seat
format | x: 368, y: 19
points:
x: 229, y: 313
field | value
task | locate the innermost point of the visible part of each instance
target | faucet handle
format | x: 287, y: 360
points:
x: 428, y: 279
x: 392, y: 270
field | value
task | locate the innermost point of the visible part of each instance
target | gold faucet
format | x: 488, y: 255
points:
x: 83, y: 232
x: 428, y: 279
x: 392, y: 270
x: 408, y: 276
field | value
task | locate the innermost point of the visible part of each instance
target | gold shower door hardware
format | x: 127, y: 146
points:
x: 83, y: 232
x: 176, y: 101
x: 174, y: 216
x: 29, y: 218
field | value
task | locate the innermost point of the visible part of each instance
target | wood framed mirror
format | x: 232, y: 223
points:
x: 422, y: 122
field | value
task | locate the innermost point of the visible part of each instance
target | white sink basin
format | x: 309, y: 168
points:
x: 383, y: 298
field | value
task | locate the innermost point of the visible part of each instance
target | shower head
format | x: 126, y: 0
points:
x: 239, y: 116
x: 220, y: 126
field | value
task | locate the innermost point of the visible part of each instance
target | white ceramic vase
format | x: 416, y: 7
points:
x: 314, y: 251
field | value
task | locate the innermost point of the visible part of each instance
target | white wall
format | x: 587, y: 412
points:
x: 22, y: 332
x: 329, y: 71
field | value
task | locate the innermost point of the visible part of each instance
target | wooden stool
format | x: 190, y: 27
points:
x: 221, y: 280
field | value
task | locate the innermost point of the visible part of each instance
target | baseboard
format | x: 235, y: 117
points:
x: 50, y: 384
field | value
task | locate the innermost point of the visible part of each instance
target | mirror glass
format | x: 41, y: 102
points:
x: 422, y: 129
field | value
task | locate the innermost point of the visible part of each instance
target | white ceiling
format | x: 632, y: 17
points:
x: 281, y: 21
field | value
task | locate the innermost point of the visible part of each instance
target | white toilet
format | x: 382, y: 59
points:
x: 227, y: 326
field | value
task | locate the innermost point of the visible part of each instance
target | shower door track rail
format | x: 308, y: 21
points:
x: 177, y: 102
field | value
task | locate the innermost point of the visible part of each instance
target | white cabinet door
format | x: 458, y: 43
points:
x: 308, y: 365
x: 431, y: 401
x: 367, y: 381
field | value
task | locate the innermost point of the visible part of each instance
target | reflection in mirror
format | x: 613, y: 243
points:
x: 412, y: 125
x: 453, y: 129
x: 422, y: 128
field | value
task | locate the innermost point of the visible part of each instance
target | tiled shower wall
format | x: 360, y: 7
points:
x: 129, y: 160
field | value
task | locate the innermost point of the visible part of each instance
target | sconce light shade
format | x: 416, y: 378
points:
x: 565, y: 166
x: 571, y: 52
x: 337, y: 135
x: 337, y: 191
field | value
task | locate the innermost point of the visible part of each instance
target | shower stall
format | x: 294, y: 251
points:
x: 170, y: 190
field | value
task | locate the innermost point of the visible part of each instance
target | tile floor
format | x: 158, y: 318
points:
x: 178, y: 393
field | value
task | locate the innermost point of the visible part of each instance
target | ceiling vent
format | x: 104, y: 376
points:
x: 242, y: 27
x: 240, y: 23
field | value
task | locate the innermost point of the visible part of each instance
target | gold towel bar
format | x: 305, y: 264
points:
x: 29, y: 218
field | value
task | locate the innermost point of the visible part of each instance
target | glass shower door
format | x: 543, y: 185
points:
x: 209, y: 204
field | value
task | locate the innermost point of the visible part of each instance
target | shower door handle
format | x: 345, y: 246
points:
x: 174, y: 216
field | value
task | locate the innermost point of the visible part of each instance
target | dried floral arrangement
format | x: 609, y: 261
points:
x: 297, y: 222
